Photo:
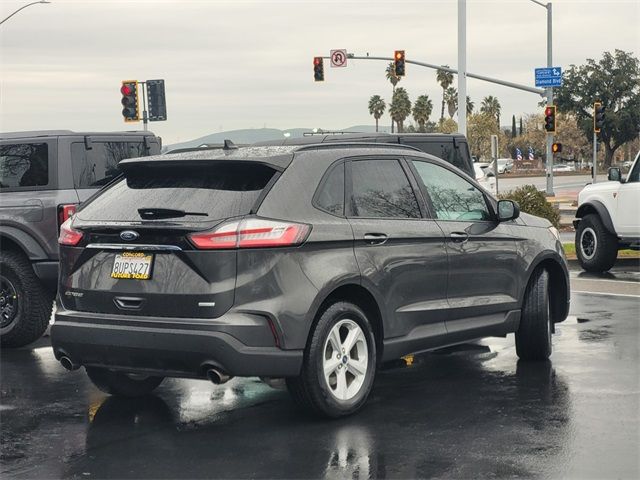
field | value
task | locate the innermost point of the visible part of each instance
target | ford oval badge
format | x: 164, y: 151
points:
x: 129, y: 235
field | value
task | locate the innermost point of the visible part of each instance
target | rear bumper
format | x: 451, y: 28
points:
x: 234, y: 343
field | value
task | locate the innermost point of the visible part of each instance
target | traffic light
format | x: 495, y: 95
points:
x: 550, y: 118
x: 318, y: 69
x: 398, y: 57
x: 556, y: 148
x: 598, y: 117
x: 130, y: 105
x: 156, y: 100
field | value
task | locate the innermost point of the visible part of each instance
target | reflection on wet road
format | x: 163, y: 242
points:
x: 466, y: 412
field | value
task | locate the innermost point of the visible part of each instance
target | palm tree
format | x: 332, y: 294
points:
x: 393, y: 79
x: 491, y: 106
x: 470, y: 105
x: 400, y: 107
x: 377, y: 107
x: 421, y: 112
x: 445, y: 79
x: 451, y: 99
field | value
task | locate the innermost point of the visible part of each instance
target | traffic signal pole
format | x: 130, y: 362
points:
x: 484, y: 78
x: 549, y: 156
x: 549, y: 95
x: 145, y: 118
x: 595, y: 158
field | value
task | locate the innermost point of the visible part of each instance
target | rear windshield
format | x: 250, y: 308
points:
x: 457, y: 156
x: 219, y: 191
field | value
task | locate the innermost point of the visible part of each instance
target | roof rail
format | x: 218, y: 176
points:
x: 316, y: 146
x: 327, y: 132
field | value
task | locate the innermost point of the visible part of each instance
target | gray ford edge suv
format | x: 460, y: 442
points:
x: 311, y: 263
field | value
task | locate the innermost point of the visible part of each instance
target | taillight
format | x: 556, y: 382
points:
x: 65, y: 212
x: 68, y: 235
x: 252, y: 233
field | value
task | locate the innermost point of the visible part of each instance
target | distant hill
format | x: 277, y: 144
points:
x: 253, y: 135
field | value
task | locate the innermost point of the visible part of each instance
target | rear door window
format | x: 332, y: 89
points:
x: 97, y: 166
x: 330, y: 195
x: 213, y: 191
x: 380, y: 188
x: 24, y: 165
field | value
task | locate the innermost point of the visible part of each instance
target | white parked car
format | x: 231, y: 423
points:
x: 608, y: 219
x: 505, y: 165
x: 485, y: 178
x: 564, y: 168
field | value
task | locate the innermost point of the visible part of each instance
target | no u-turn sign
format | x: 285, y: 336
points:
x: 339, y: 57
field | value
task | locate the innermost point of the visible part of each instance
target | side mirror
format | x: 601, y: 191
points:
x: 489, y: 173
x: 614, y: 174
x: 508, y: 210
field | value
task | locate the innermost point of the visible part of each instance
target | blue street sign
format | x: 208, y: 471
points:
x: 549, y: 77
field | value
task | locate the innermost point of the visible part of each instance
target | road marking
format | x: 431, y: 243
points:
x: 603, y: 280
x: 605, y: 294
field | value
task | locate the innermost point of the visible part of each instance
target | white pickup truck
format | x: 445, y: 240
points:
x: 608, y: 219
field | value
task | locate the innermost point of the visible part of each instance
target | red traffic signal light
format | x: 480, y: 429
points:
x: 556, y: 148
x: 131, y: 110
x: 126, y: 89
x: 550, y: 118
x: 318, y: 69
x: 399, y: 62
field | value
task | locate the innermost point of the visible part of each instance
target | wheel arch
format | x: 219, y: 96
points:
x: 18, y: 240
x: 559, y: 286
x: 360, y: 296
x: 598, y: 208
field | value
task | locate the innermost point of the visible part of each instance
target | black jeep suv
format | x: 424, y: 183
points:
x: 313, y: 263
x: 43, y: 177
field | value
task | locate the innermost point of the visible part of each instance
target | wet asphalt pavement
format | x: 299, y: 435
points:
x: 466, y: 412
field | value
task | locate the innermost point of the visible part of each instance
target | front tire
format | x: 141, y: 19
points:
x: 339, y: 363
x: 25, y: 305
x: 533, y: 337
x: 122, y: 384
x: 596, y: 248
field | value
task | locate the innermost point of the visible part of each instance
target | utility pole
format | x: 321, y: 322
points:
x: 462, y: 67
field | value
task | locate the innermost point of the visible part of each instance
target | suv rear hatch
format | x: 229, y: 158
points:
x: 137, y: 257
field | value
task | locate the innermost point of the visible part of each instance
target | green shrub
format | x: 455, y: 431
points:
x: 533, y: 201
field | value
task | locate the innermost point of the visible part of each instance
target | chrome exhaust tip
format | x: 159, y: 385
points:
x: 217, y: 377
x: 67, y: 363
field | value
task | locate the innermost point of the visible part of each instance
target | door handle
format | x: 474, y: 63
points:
x: 129, y: 303
x: 375, y: 238
x: 459, y: 237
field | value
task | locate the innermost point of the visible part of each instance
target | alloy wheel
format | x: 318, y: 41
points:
x: 345, y: 359
x: 8, y: 302
x: 588, y: 243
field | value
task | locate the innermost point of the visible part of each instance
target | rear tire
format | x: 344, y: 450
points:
x: 25, y: 305
x: 122, y: 384
x: 350, y: 367
x: 596, y: 248
x: 533, y: 337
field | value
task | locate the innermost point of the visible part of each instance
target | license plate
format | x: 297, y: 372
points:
x: 133, y: 265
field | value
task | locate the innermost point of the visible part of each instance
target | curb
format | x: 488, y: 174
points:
x: 621, y: 262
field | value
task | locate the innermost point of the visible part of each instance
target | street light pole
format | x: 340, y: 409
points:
x: 22, y: 8
x: 462, y: 67
x: 549, y: 95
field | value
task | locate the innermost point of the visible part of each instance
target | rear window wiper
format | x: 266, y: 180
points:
x: 162, y: 213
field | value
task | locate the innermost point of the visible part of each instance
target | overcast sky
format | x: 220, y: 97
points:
x: 248, y: 64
